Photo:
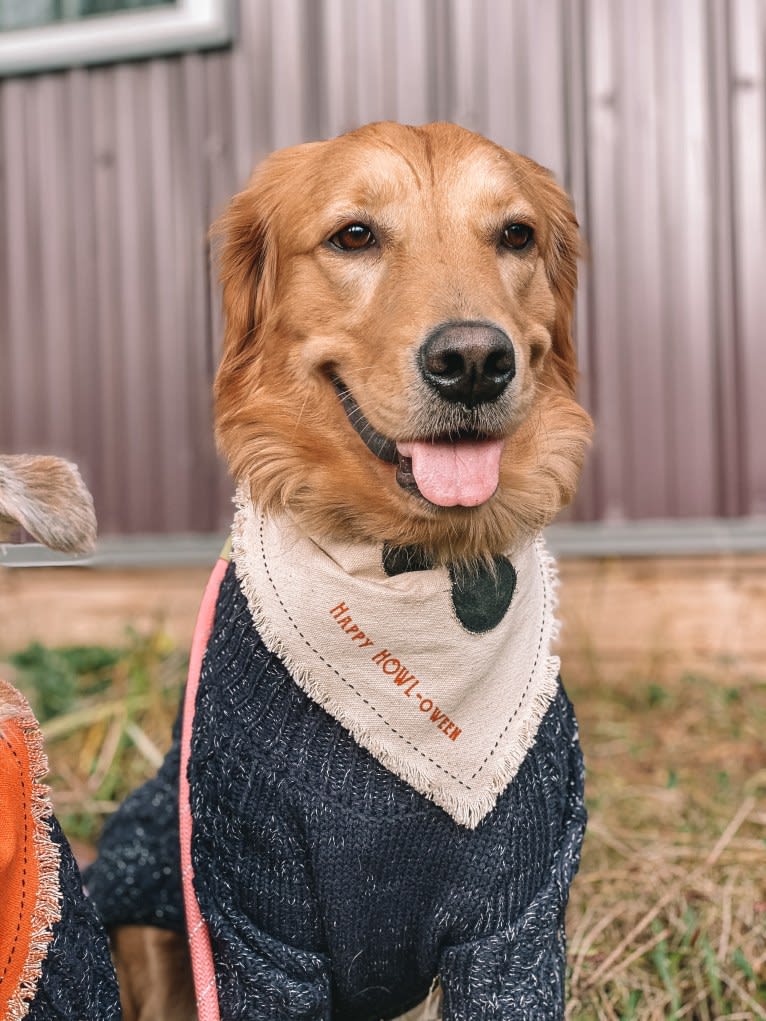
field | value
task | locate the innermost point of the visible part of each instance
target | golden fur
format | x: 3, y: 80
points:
x: 47, y: 497
x: 154, y: 973
x: 296, y: 310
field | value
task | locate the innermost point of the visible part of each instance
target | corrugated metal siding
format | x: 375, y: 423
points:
x: 675, y: 219
x: 652, y: 114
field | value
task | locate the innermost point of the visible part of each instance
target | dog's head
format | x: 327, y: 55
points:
x: 398, y: 361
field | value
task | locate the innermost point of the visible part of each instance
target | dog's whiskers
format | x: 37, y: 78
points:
x: 300, y: 415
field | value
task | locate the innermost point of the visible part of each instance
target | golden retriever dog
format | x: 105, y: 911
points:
x: 398, y: 370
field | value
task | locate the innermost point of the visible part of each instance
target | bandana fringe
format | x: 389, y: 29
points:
x: 551, y: 573
x: 466, y: 814
x: 15, y: 709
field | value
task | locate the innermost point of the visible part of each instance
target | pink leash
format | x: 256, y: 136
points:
x: 199, y: 936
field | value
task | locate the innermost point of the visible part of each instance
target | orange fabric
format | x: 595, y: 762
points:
x: 28, y: 859
x: 19, y: 873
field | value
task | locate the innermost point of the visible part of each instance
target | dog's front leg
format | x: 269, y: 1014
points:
x: 517, y: 972
x: 513, y: 976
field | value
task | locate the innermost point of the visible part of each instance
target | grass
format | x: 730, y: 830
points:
x: 106, y: 715
x: 668, y: 915
x: 667, y: 918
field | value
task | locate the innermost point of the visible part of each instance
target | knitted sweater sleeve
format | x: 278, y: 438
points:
x: 259, y: 976
x: 77, y: 979
x: 517, y: 972
x: 136, y: 879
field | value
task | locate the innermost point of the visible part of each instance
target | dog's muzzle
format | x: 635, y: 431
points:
x: 376, y: 443
x: 462, y: 472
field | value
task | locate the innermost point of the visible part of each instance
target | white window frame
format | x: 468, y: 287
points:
x: 106, y: 38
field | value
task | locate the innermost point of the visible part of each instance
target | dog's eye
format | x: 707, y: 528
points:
x: 353, y: 238
x: 517, y: 236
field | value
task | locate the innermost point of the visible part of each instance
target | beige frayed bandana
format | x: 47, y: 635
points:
x: 443, y: 677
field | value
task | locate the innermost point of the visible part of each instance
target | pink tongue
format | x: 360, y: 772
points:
x: 465, y: 473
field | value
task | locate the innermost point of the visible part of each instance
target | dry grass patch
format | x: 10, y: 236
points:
x: 668, y: 914
x: 106, y: 714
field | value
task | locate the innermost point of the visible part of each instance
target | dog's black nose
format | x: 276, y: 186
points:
x: 469, y: 363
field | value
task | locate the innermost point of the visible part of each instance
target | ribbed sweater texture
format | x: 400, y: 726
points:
x: 77, y: 982
x: 332, y: 889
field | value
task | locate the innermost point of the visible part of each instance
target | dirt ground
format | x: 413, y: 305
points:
x: 643, y: 614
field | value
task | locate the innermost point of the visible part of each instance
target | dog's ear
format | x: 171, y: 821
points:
x: 248, y: 240
x: 247, y: 251
x: 247, y: 259
x: 47, y: 497
x: 561, y: 253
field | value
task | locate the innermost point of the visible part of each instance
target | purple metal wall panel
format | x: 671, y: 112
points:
x: 688, y: 322
x: 748, y: 102
x: 653, y: 115
x: 605, y: 240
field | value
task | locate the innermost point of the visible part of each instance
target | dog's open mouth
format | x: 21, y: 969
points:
x: 462, y: 472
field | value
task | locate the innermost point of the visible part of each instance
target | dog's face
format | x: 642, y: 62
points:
x: 398, y: 361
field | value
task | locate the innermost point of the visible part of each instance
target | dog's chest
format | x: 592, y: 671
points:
x: 443, y: 674
x: 303, y: 838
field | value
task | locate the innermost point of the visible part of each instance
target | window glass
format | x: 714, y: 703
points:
x: 34, y: 13
x: 46, y: 35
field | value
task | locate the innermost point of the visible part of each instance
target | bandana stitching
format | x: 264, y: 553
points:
x: 532, y: 672
x: 350, y: 684
x: 291, y: 581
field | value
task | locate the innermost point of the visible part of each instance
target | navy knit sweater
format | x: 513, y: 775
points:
x: 77, y: 981
x: 332, y: 889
